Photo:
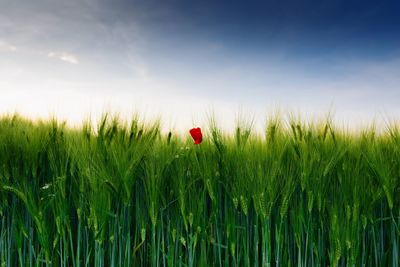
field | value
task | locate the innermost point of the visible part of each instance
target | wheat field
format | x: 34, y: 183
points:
x: 120, y: 193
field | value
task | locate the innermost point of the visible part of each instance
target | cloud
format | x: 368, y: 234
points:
x: 64, y: 56
x: 6, y: 47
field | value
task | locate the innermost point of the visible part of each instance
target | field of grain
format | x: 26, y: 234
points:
x: 125, y: 194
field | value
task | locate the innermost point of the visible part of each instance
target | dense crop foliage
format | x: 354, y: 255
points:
x: 122, y: 194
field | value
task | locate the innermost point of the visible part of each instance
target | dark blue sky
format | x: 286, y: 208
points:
x: 309, y: 26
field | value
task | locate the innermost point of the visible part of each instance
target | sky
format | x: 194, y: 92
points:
x: 184, y: 60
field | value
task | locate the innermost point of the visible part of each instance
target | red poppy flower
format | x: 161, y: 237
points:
x: 196, y: 135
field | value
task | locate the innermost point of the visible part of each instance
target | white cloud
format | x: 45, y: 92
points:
x: 64, y: 56
x: 6, y: 47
